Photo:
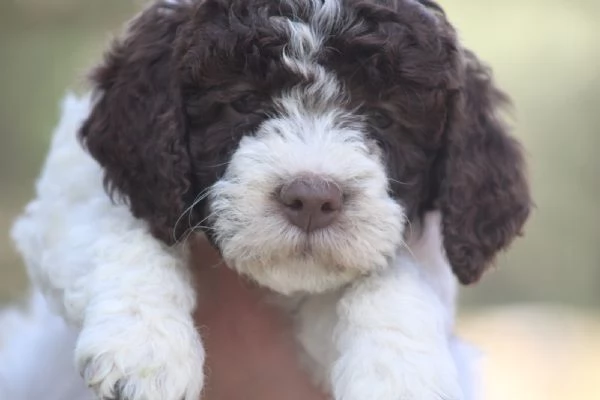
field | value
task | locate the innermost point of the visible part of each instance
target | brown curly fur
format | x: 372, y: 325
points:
x: 163, y: 130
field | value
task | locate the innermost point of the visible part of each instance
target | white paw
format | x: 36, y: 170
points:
x: 388, y: 374
x: 129, y: 358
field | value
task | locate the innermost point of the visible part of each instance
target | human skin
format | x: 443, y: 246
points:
x: 250, y: 349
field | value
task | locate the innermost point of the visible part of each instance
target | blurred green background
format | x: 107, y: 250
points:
x: 545, y: 53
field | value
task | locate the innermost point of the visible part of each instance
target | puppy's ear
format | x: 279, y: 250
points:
x: 136, y: 129
x: 484, y: 194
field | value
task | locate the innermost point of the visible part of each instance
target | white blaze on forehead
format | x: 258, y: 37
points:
x: 324, y: 16
x: 307, y: 37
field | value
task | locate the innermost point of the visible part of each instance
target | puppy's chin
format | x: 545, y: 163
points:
x: 294, y: 263
x: 297, y: 275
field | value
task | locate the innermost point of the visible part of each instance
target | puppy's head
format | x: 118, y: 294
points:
x: 302, y: 135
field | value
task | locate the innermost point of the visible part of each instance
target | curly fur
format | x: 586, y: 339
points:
x: 202, y: 111
x: 162, y: 131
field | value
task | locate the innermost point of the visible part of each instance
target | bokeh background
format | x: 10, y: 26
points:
x: 537, y: 317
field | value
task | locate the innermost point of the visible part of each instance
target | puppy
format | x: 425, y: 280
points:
x: 308, y: 140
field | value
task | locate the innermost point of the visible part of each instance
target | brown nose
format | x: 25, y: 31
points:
x: 311, y: 203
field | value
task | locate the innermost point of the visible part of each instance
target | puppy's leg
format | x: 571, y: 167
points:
x: 393, y: 340
x: 138, y: 340
x: 103, y: 271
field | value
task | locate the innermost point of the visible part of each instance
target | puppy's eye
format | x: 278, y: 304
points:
x: 380, y: 118
x: 247, y: 103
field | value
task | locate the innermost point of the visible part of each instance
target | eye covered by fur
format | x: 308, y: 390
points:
x: 191, y: 78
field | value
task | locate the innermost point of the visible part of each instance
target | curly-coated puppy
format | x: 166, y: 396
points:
x: 302, y: 137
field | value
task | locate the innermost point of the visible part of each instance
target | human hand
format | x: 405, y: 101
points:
x: 250, y: 349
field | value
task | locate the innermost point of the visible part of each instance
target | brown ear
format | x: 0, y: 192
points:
x: 136, y: 129
x: 484, y: 194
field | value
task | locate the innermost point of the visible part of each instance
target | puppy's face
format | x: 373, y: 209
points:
x: 301, y: 136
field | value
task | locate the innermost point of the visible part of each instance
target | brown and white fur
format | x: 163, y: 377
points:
x: 202, y: 114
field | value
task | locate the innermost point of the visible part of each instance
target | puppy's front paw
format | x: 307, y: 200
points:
x: 133, y: 359
x: 387, y: 374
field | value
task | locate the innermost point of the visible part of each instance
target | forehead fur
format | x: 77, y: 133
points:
x: 387, y: 43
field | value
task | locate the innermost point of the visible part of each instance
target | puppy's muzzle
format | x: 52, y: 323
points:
x: 311, y: 202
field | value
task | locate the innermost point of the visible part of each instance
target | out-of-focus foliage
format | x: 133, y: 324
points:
x: 546, y: 54
x: 46, y: 48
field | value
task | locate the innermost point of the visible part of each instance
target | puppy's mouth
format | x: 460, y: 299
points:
x: 311, y: 245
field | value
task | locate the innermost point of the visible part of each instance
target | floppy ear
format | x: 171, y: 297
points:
x: 484, y: 194
x: 136, y: 129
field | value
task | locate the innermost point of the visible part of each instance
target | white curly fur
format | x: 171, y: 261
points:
x: 255, y: 237
x: 103, y: 271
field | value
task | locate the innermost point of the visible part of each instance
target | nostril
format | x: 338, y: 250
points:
x: 295, y: 205
x: 328, y: 208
